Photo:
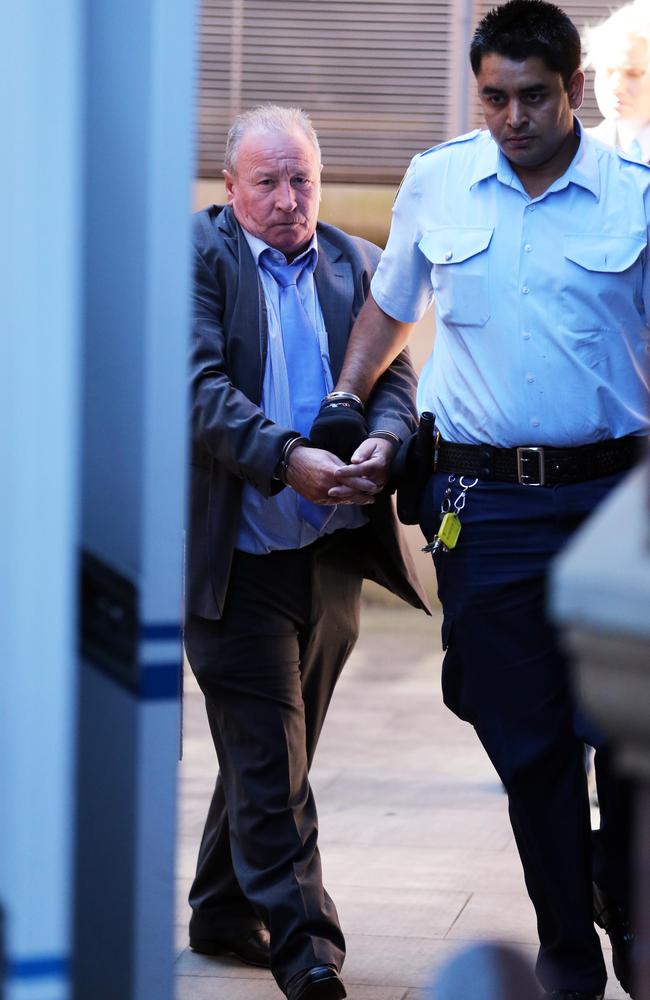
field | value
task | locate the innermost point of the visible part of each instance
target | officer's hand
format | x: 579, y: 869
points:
x: 339, y: 428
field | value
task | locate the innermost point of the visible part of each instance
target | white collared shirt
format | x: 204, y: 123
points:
x: 632, y: 138
x: 542, y: 304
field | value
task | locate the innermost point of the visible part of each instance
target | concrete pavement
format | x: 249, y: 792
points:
x: 416, y: 847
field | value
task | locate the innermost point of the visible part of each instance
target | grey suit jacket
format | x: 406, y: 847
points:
x: 232, y: 440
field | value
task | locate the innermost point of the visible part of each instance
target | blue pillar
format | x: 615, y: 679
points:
x: 138, y: 174
x: 95, y: 182
x: 40, y: 253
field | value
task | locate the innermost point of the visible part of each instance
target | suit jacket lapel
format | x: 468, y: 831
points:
x: 335, y: 286
x: 246, y: 339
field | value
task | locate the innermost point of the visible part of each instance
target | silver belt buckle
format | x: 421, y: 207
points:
x: 534, y: 477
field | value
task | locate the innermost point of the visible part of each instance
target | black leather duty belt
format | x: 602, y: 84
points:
x: 536, y: 466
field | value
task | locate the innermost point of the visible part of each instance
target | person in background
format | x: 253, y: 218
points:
x: 532, y: 238
x: 619, y: 51
x: 274, y: 565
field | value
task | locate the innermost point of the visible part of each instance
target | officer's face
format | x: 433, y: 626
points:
x: 275, y: 188
x: 622, y: 82
x: 529, y: 112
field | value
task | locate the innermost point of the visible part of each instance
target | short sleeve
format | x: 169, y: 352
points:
x: 401, y: 285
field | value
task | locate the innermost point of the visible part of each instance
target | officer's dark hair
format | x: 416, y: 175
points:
x: 523, y: 28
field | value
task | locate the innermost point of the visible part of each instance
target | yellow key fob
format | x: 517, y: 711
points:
x: 449, y: 530
x: 447, y: 536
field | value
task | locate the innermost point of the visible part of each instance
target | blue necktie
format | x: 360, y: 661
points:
x: 303, y: 360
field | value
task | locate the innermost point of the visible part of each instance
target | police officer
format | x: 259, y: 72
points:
x: 532, y: 240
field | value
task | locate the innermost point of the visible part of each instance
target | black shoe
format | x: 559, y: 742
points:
x: 573, y: 995
x: 612, y: 918
x: 252, y: 947
x: 319, y: 983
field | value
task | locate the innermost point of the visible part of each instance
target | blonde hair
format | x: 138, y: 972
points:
x: 630, y: 21
x: 269, y: 118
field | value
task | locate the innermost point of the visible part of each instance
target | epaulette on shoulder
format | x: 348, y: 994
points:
x: 451, y: 142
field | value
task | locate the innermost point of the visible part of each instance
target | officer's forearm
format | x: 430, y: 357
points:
x: 375, y: 341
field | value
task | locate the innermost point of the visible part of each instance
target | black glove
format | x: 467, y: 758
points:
x: 339, y: 427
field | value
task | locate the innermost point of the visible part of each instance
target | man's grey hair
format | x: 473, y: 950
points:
x: 269, y: 118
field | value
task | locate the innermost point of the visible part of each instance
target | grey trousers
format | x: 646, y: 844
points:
x: 267, y: 670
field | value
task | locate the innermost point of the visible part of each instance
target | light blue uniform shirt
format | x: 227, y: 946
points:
x: 269, y: 524
x: 541, y: 304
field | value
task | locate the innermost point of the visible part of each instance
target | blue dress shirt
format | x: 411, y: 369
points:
x: 542, y: 304
x: 268, y: 524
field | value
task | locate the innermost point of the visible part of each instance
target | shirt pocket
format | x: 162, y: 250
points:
x: 591, y: 299
x: 460, y: 273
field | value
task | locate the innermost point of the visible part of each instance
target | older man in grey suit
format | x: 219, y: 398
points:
x: 274, y: 566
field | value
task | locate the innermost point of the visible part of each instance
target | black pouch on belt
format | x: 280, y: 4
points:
x: 412, y: 468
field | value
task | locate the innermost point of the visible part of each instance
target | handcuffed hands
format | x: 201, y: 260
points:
x: 313, y: 472
x: 367, y: 472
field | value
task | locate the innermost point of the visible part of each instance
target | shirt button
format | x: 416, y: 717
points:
x: 528, y: 248
x: 531, y: 208
x: 530, y: 378
x: 535, y: 422
x: 525, y: 335
x: 449, y: 255
x: 525, y: 290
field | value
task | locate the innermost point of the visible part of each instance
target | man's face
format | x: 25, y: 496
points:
x: 275, y: 189
x: 527, y: 108
x: 622, y: 82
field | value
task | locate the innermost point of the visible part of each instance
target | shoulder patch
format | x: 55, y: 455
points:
x: 451, y: 142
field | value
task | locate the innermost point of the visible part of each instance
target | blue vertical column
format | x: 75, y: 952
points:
x: 138, y: 132
x: 40, y: 251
